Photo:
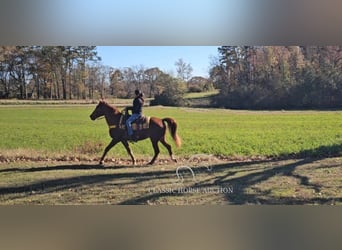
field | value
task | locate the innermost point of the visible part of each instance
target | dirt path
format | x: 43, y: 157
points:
x: 197, y: 180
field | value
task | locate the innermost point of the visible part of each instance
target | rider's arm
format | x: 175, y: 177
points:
x: 127, y: 109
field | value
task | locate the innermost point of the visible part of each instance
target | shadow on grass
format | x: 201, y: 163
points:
x: 59, y: 184
x: 242, y: 183
x: 59, y: 167
x: 239, y: 175
x: 308, y: 157
x: 319, y: 152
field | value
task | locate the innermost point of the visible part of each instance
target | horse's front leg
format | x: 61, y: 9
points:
x: 110, y: 145
x: 129, y: 151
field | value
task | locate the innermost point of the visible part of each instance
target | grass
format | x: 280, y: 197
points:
x: 17, y: 102
x: 294, y: 181
x: 49, y: 154
x: 201, y: 94
x: 66, y: 131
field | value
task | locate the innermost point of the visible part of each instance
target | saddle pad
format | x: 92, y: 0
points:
x: 140, y: 126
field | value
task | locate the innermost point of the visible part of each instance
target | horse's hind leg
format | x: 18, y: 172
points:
x: 129, y: 151
x: 168, y: 147
x: 156, y: 151
x: 110, y: 145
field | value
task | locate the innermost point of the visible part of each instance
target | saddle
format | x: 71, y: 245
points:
x: 142, y: 122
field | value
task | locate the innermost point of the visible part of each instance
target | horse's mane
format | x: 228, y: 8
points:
x: 115, y: 109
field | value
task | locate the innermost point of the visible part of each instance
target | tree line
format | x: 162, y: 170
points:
x: 76, y: 72
x: 247, y: 77
x: 278, y: 77
x: 47, y: 72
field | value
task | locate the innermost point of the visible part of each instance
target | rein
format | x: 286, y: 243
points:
x: 110, y: 126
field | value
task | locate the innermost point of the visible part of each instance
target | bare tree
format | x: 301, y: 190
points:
x: 184, y: 70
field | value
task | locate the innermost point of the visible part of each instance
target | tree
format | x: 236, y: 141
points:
x: 129, y: 82
x: 85, y: 54
x: 184, y: 70
x: 116, y: 81
x: 199, y: 84
x: 7, y: 54
x: 172, y: 93
x: 49, y: 71
x: 152, y: 76
x: 278, y: 76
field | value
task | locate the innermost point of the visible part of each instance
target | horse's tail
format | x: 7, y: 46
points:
x: 173, y: 130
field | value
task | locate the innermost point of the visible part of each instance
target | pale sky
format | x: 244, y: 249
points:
x: 163, y: 57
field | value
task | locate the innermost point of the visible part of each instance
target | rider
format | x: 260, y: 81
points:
x: 138, y: 103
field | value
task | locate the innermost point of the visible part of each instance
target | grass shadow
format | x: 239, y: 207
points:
x: 240, y: 175
x: 67, y: 167
x: 58, y: 184
x: 241, y: 183
x: 321, y: 152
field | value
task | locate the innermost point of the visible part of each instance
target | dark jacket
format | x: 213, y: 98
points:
x: 138, y: 103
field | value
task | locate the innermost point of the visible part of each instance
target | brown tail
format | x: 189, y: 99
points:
x: 173, y: 130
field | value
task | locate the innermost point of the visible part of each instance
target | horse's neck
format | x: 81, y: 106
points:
x: 112, y: 116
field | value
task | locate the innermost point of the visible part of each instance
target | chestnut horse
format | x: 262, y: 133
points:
x: 156, y: 131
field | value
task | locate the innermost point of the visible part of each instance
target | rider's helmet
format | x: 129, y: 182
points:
x: 137, y: 92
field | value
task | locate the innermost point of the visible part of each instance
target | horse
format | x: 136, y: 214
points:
x: 156, y: 131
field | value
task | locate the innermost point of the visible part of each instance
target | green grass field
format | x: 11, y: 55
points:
x: 201, y: 94
x: 49, y: 155
x: 66, y: 130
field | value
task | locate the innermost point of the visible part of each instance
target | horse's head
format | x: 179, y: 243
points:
x: 99, y: 110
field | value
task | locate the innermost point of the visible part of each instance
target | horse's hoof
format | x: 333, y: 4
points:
x: 101, y: 163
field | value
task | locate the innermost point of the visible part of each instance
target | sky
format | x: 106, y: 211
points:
x: 163, y: 57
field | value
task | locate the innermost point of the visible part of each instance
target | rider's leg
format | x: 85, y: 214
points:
x: 129, y: 123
